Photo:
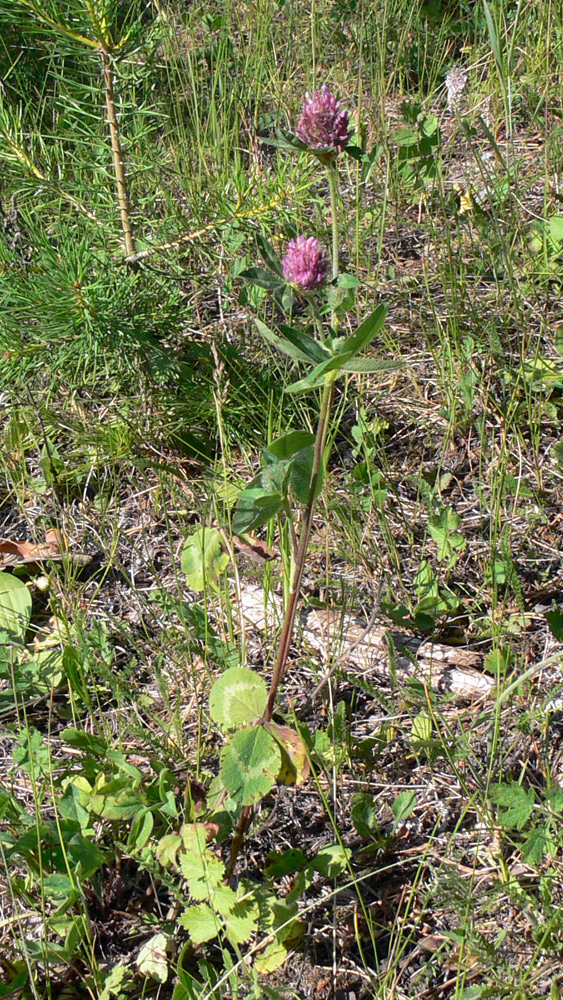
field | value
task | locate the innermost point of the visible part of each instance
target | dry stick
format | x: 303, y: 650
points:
x: 122, y: 195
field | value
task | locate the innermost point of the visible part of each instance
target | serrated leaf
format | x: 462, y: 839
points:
x: 538, y: 842
x: 518, y: 802
x: 241, y: 922
x: 201, y: 869
x: 295, y: 766
x: 237, y: 698
x: 250, y: 764
x: 204, y: 558
x: 291, y: 861
x: 152, y: 959
x: 201, y: 923
x: 15, y: 607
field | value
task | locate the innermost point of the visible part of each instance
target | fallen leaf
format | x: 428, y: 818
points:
x: 254, y: 548
x: 23, y: 553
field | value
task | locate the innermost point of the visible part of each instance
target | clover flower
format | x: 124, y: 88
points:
x: 323, y: 122
x: 305, y: 263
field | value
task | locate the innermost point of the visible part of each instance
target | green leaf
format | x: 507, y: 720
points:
x: 270, y: 256
x: 264, y: 279
x: 283, y: 344
x: 366, y: 331
x: 152, y: 959
x: 348, y: 281
x: 331, y: 861
x: 204, y: 558
x: 538, y: 842
x: 291, y: 861
x: 273, y: 956
x: 311, y: 348
x: 317, y: 377
x: 421, y: 728
x: 79, y: 740
x: 518, y: 802
x: 250, y: 764
x: 255, y: 507
x: 15, y: 607
x: 201, y: 923
x: 363, y: 815
x: 554, y: 619
x: 287, y: 445
x: 365, y: 365
x: 403, y: 805
x: 285, y: 140
x: 201, y: 869
x: 237, y: 698
x: 556, y: 228
x: 240, y: 915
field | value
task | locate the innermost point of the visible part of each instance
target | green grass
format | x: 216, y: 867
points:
x: 134, y: 398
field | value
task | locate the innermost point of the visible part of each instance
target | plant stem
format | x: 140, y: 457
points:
x: 289, y: 620
x: 333, y: 188
x: 119, y: 170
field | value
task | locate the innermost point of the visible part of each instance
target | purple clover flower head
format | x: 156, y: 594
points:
x: 323, y: 122
x: 305, y: 263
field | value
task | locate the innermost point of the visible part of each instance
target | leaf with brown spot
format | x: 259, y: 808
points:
x: 295, y: 766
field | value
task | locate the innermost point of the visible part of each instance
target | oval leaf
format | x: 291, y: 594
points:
x: 250, y: 764
x: 15, y: 607
x: 237, y: 698
x: 204, y: 558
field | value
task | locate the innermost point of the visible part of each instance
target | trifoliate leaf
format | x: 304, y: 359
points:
x: 237, y: 698
x: 250, y: 764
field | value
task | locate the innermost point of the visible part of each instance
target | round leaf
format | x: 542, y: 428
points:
x: 250, y: 764
x: 237, y: 698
